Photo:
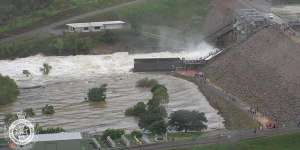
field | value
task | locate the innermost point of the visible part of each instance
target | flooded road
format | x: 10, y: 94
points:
x: 70, y: 79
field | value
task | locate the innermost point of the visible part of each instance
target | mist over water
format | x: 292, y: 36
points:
x: 68, y: 82
x: 89, y: 65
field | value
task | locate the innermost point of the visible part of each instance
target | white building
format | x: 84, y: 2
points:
x: 95, y: 26
x: 58, y: 141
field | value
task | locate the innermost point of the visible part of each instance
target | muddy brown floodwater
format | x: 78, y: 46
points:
x: 71, y: 77
x: 73, y: 113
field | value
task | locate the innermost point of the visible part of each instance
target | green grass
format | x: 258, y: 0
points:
x: 3, y: 141
x: 184, y: 15
x: 170, y: 13
x: 185, y: 136
x: 55, y: 11
x: 281, y: 142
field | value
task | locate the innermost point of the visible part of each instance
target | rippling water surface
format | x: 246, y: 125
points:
x: 68, y: 82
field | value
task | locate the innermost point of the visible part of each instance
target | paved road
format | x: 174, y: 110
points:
x: 50, y: 28
x: 233, y: 136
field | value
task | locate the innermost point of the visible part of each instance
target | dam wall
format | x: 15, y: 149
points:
x: 166, y: 64
x: 156, y: 64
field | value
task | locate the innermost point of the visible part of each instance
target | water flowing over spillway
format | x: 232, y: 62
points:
x: 68, y: 82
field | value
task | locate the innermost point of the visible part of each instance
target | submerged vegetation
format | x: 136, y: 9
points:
x: 8, y: 90
x: 46, y: 69
x: 137, y: 110
x: 29, y: 112
x: 48, y: 110
x: 97, y: 94
x: 151, y: 115
x: 10, y: 118
x: 146, y: 83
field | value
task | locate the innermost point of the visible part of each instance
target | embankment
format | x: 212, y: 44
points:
x: 264, y: 72
x: 234, y: 117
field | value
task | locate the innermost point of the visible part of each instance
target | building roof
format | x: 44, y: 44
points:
x: 94, y: 24
x: 57, y: 137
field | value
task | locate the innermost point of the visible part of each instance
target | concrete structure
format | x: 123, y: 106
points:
x: 165, y: 64
x: 95, y: 26
x: 247, y: 21
x: 58, y: 141
x: 156, y: 64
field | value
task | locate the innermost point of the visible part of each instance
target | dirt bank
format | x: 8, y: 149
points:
x: 235, y: 118
x: 263, y: 71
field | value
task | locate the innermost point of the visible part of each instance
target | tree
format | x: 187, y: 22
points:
x: 113, y: 133
x: 97, y: 94
x: 8, y: 90
x: 153, y: 104
x: 137, y: 110
x: 48, y: 110
x: 26, y: 73
x: 10, y: 118
x: 29, y: 112
x: 146, y: 83
x: 153, y: 122
x: 58, y: 44
x: 158, y: 127
x: 137, y: 134
x: 160, y: 110
x: 160, y: 92
x: 188, y: 120
x: 46, y: 69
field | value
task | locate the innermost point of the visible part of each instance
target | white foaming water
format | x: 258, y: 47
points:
x: 74, y: 75
x: 87, y: 65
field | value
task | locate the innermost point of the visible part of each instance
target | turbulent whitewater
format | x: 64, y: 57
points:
x: 72, y: 76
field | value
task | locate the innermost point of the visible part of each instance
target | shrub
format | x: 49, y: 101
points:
x: 146, y: 83
x: 97, y: 94
x: 29, y: 112
x: 26, y: 73
x: 160, y: 92
x: 137, y: 110
x: 113, y: 133
x: 10, y: 118
x: 46, y: 69
x: 48, y: 110
x: 137, y: 134
x: 41, y: 130
x: 109, y: 37
x: 8, y: 90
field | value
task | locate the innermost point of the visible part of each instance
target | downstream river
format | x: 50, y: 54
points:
x: 67, y: 85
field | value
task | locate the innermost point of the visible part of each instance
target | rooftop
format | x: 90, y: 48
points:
x: 57, y: 137
x: 94, y: 24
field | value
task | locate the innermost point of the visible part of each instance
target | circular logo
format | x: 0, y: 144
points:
x: 21, y: 132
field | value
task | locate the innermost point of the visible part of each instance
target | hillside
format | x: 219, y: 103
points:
x: 17, y: 16
x: 165, y: 18
x: 263, y: 71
